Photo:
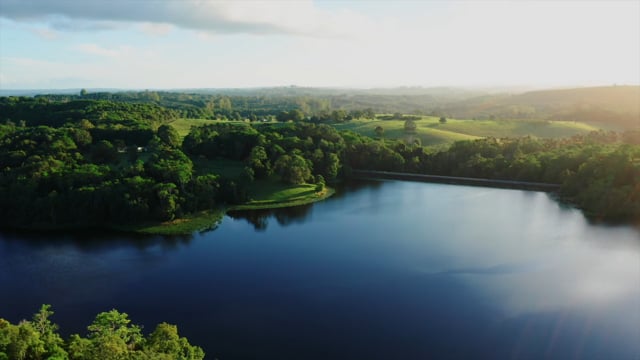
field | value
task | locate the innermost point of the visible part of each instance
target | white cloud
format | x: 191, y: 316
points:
x: 251, y: 17
x: 94, y: 49
x: 338, y: 44
x: 44, y: 33
x: 156, y: 29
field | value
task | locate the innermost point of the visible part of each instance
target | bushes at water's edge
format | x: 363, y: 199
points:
x: 607, y: 185
x: 110, y: 336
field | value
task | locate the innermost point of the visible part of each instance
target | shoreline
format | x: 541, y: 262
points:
x: 187, y: 225
x: 455, y: 180
x: 262, y: 205
x: 209, y: 220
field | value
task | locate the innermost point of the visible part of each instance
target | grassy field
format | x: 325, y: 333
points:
x: 183, y: 126
x: 271, y: 193
x: 515, y: 128
x: 394, y: 129
x: 431, y: 132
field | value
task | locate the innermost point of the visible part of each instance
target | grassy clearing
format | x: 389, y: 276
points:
x: 394, y: 129
x: 183, y: 125
x: 269, y: 194
x: 200, y: 221
x: 515, y: 128
x: 431, y: 132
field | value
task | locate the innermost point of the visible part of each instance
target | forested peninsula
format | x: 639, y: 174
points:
x: 135, y: 160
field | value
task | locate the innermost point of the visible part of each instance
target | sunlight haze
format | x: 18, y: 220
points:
x: 46, y: 44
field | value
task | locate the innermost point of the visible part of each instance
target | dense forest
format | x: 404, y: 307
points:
x: 111, y: 336
x: 68, y: 162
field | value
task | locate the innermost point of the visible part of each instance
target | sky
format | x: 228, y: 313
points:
x: 171, y: 44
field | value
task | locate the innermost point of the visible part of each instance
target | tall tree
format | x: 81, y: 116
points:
x: 410, y: 126
x: 169, y: 136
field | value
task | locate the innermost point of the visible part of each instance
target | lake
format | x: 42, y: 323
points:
x: 382, y: 270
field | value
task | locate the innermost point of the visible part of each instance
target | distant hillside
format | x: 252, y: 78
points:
x: 612, y: 106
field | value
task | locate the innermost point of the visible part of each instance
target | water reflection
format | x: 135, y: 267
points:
x: 381, y: 270
x: 259, y: 219
x: 74, y: 270
x: 92, y: 240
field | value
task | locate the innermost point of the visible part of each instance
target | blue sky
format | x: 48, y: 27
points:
x: 160, y: 44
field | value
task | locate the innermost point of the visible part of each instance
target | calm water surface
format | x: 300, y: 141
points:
x: 389, y: 270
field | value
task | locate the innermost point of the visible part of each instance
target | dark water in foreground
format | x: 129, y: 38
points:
x: 392, y: 270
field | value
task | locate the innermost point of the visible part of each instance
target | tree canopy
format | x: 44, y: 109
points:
x: 111, y: 336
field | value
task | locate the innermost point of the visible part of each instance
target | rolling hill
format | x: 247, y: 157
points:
x: 614, y: 107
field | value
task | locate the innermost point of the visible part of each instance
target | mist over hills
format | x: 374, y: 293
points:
x: 617, y: 106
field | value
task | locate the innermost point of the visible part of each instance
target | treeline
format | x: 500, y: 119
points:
x: 111, y: 336
x: 69, y: 174
x: 131, y: 123
x: 43, y: 110
x: 220, y: 106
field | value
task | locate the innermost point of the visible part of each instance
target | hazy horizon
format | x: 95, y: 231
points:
x: 515, y: 89
x: 177, y: 45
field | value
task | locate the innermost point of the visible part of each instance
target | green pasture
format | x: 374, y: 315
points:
x: 431, y: 132
x: 183, y: 125
x: 272, y: 193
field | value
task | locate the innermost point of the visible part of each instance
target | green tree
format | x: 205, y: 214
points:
x: 80, y: 348
x: 259, y: 161
x: 332, y: 166
x: 51, y: 340
x: 113, y: 336
x: 164, y: 342
x: 320, y: 183
x: 167, y: 201
x: 410, y: 126
x: 169, y: 136
x: 170, y: 165
x: 104, y: 152
x: 296, y: 115
x: 86, y: 124
x: 283, y: 116
x: 26, y: 343
x: 293, y: 169
x: 379, y: 131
